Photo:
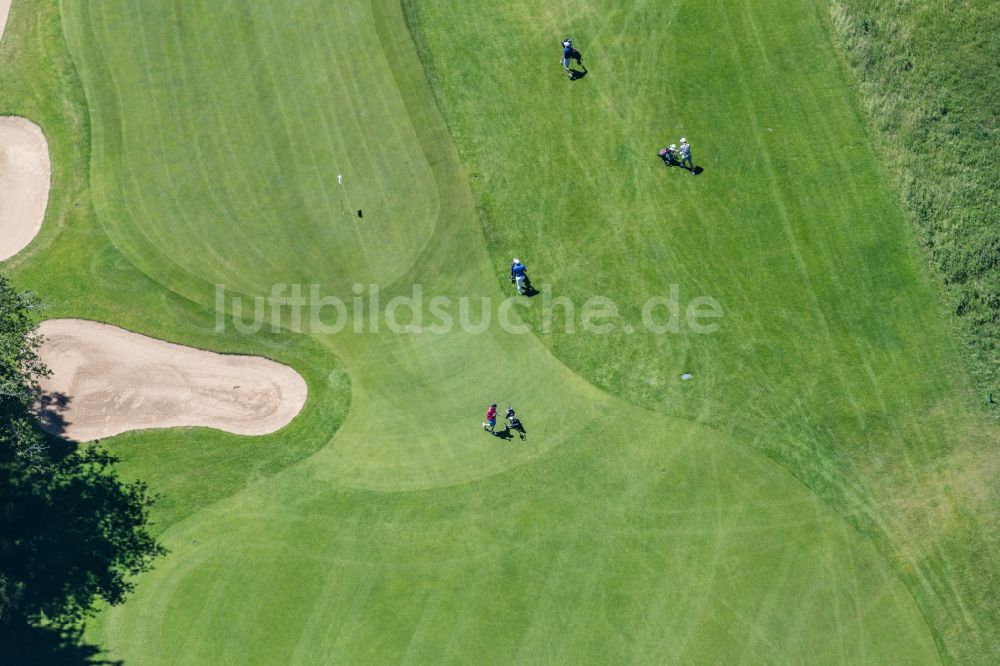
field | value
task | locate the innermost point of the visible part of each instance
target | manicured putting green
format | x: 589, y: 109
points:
x: 613, y: 532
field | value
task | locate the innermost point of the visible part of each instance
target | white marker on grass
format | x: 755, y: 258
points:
x: 686, y: 376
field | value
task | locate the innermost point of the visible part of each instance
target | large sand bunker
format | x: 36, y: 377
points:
x: 106, y: 380
x: 24, y: 182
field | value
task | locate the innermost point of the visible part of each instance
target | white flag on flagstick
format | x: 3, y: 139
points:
x: 340, y: 178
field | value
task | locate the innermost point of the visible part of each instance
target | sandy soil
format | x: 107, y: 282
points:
x: 24, y: 182
x: 4, y: 11
x: 106, y: 380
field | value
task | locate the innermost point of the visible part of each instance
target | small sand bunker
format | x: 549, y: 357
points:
x: 24, y: 182
x: 4, y: 12
x: 106, y: 381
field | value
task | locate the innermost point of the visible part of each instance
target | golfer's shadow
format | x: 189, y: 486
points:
x: 697, y: 170
x: 576, y: 74
x: 528, y: 289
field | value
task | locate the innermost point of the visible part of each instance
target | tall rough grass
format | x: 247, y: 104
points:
x: 929, y: 77
x: 929, y: 73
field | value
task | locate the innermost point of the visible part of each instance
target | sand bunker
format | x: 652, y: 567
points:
x: 106, y: 380
x: 4, y: 12
x: 24, y: 182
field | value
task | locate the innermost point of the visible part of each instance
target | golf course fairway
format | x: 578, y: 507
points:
x: 808, y: 496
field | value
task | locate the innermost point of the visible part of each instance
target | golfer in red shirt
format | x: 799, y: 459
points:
x: 491, y: 419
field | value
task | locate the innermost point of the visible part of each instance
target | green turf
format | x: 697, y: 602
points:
x: 637, y: 522
x: 834, y: 356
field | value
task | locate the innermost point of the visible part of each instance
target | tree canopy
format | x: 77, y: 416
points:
x: 72, y: 533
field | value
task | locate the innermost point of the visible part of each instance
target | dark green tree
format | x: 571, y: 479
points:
x: 71, y: 532
x: 20, y: 369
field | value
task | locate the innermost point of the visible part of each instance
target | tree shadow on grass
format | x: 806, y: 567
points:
x: 48, y: 646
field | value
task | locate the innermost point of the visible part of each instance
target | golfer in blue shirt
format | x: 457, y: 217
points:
x: 570, y: 53
x: 518, y: 273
